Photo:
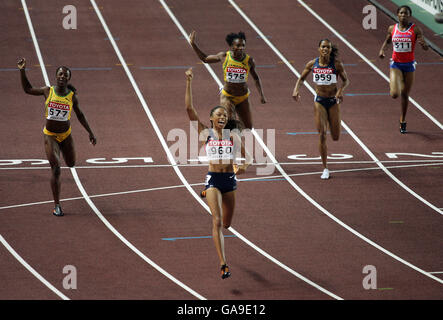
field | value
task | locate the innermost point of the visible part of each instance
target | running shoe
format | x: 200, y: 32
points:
x: 402, y: 127
x: 57, y: 211
x: 225, y: 272
x: 325, y: 174
x: 203, y: 194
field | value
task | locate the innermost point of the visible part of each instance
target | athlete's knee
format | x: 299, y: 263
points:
x: 394, y: 94
x: 56, y: 171
x: 70, y: 163
x: 216, y: 222
x: 335, y: 136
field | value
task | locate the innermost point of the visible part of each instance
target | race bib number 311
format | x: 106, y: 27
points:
x: 403, y: 46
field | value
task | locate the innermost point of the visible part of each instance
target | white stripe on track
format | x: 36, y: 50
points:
x: 172, y: 160
x: 2, y: 239
x: 353, y: 135
x: 85, y: 195
x: 31, y: 269
x: 202, y: 184
x: 327, y: 25
x: 350, y: 132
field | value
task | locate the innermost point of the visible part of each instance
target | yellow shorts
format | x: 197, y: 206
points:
x: 58, y: 136
x: 235, y: 99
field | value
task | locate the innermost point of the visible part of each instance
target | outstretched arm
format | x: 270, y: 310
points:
x: 27, y: 87
x: 203, y: 56
x: 301, y: 80
x: 257, y: 80
x: 82, y: 119
x: 192, y: 113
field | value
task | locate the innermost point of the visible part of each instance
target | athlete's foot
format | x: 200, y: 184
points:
x: 325, y: 174
x: 403, y: 127
x: 57, y: 211
x: 225, y: 272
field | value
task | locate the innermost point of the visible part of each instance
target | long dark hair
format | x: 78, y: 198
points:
x: 69, y: 86
x: 334, y: 51
x: 232, y: 36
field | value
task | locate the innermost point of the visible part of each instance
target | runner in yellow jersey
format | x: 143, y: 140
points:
x: 237, y: 65
x: 60, y: 100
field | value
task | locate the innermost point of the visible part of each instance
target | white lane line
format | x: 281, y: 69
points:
x: 201, y: 184
x: 31, y: 269
x: 85, y: 195
x: 354, y: 136
x: 327, y: 25
x: 172, y: 160
x: 2, y: 239
x: 264, y: 38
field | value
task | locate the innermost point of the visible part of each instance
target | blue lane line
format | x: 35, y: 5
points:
x: 429, y: 63
x: 266, y: 66
x: 350, y: 64
x: 165, y: 68
x: 91, y: 68
x: 295, y: 133
x: 367, y: 94
x: 202, y: 237
x: 8, y: 69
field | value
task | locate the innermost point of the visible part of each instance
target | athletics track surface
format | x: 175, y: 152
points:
x: 315, y: 243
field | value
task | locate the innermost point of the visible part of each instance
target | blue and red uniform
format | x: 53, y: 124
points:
x: 403, y: 43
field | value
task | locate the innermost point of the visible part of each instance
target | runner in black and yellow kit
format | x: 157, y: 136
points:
x: 60, y: 100
x: 236, y: 67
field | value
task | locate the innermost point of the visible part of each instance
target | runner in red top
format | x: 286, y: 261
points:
x: 403, y: 36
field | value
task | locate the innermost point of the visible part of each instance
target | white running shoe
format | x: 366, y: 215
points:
x: 325, y: 174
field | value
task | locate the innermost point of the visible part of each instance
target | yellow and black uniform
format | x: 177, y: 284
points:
x: 235, y: 72
x: 58, y: 108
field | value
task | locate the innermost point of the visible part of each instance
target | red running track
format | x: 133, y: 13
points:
x: 146, y: 202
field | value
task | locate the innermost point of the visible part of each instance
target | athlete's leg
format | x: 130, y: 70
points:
x: 395, y: 82
x: 228, y: 206
x: 52, y: 150
x: 335, y: 121
x: 321, y: 122
x: 244, y: 112
x: 214, y: 199
x: 68, y: 151
x: 409, y: 78
x: 227, y: 103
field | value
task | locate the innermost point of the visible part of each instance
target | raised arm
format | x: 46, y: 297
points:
x: 82, y: 119
x: 203, y: 56
x: 257, y: 79
x: 301, y: 80
x: 192, y: 114
x: 388, y: 39
x: 27, y: 87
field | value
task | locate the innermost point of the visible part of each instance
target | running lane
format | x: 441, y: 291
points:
x: 78, y: 239
x: 260, y: 215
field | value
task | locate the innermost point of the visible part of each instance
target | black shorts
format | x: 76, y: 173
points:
x: 326, y: 102
x: 223, y: 181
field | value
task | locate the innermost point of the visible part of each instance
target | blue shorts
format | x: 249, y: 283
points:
x: 404, y: 67
x: 223, y: 181
x: 326, y: 102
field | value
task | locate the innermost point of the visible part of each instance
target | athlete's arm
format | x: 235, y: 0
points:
x: 82, y: 119
x: 388, y: 39
x: 203, y: 56
x: 241, y: 168
x: 345, y: 80
x: 301, y: 80
x: 27, y: 87
x: 256, y: 79
x: 420, y: 38
x: 192, y: 113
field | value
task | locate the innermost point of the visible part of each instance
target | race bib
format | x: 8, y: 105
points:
x: 220, y: 149
x: 323, y: 76
x: 58, y: 111
x: 402, y: 46
x: 236, y: 74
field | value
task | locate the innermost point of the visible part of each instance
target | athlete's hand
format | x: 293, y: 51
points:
x: 21, y: 64
x: 192, y: 37
x: 92, y: 139
x: 381, y: 54
x: 189, y: 74
x: 240, y: 169
x: 339, y: 96
x: 263, y: 99
x: 296, y: 96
